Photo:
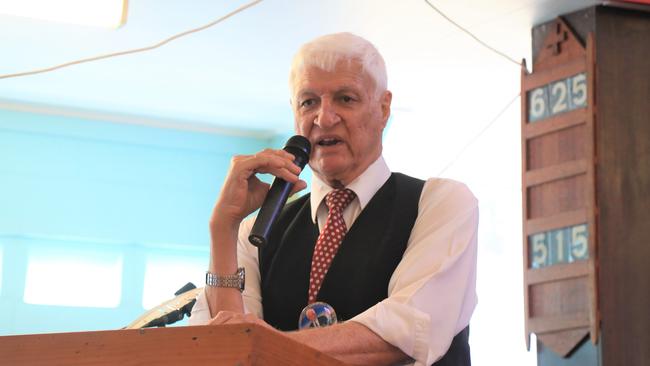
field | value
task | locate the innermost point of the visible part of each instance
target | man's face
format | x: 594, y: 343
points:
x: 343, y: 118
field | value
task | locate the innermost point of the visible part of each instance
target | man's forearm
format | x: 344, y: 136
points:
x: 352, y: 343
x: 223, y: 261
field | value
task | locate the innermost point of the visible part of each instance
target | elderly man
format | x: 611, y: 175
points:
x: 395, y: 256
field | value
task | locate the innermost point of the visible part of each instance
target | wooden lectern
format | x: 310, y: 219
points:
x: 237, y: 344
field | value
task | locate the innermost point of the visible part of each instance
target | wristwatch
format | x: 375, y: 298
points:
x: 236, y: 280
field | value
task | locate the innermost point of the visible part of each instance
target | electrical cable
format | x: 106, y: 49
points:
x: 472, y: 35
x: 135, y: 50
x: 251, y: 4
x: 503, y: 110
x: 477, y: 136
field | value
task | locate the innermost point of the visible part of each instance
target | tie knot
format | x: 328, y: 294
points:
x: 339, y: 199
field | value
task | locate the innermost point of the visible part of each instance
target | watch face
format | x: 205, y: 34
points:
x: 242, y: 278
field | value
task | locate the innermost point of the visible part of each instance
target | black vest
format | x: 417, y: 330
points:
x: 359, y: 274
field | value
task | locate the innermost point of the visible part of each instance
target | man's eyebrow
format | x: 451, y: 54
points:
x: 302, y: 93
x: 343, y: 89
x: 348, y: 88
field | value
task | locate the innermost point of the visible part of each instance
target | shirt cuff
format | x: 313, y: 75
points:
x: 200, y: 314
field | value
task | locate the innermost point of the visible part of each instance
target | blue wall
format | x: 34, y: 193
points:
x: 73, y: 185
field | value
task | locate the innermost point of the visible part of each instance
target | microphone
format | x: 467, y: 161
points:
x: 169, y: 311
x: 275, y: 200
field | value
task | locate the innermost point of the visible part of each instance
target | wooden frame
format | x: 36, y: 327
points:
x: 563, y: 56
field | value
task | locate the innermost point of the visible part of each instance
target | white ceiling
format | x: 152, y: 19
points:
x: 234, y: 75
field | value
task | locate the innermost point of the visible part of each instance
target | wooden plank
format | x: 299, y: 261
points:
x: 237, y: 344
x: 555, y: 172
x: 592, y: 204
x: 556, y: 197
x: 559, y: 298
x: 560, y: 220
x: 524, y: 168
x: 555, y: 123
x: 557, y: 272
x: 564, y: 322
x: 540, y: 78
x: 557, y: 147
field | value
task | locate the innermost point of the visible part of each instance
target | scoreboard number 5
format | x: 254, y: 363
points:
x: 579, y: 244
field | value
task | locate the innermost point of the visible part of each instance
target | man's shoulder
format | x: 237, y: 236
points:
x: 435, y: 184
x: 405, y: 177
x: 436, y: 188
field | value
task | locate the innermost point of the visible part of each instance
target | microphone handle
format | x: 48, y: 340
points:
x: 270, y: 210
x: 278, y: 194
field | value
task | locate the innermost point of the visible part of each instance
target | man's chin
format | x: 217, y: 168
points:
x: 330, y: 173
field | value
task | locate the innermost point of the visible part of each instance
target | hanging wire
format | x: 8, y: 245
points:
x: 503, y: 110
x: 478, y: 135
x: 472, y: 35
x: 135, y: 50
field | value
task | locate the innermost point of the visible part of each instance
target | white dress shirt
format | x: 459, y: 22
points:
x: 432, y: 292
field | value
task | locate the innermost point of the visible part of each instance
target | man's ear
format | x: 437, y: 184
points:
x: 386, y: 99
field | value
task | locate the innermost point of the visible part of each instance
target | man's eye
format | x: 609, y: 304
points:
x: 347, y: 99
x: 307, y: 103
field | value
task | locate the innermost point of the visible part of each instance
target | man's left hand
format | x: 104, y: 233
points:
x: 231, y: 317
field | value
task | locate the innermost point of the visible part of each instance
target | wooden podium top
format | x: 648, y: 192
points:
x: 237, y: 344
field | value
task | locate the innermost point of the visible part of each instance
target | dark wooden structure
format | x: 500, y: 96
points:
x: 586, y: 187
x: 237, y: 344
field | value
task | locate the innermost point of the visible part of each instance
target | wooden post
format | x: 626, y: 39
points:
x: 586, y: 188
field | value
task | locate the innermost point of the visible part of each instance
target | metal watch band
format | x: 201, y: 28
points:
x: 236, y: 280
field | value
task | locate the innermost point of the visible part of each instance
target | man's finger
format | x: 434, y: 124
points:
x: 299, y: 186
x: 268, y: 162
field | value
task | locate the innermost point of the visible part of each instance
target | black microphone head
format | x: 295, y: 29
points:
x: 299, y: 145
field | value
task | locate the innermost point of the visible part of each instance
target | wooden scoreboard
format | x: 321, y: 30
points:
x: 585, y: 126
x: 558, y: 192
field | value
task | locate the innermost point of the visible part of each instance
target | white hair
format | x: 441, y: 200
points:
x: 327, y: 51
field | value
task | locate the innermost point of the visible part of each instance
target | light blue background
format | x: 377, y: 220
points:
x: 74, y: 184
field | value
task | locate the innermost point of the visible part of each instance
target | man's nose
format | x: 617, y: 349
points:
x: 327, y: 115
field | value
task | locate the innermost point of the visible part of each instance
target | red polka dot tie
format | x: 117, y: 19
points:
x: 329, y: 239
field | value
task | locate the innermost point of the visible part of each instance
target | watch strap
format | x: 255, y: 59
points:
x: 235, y: 280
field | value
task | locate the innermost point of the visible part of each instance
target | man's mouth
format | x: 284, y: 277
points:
x: 329, y: 142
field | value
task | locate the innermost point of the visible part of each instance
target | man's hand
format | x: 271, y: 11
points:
x: 349, y: 342
x: 352, y: 343
x: 231, y: 317
x: 242, y: 192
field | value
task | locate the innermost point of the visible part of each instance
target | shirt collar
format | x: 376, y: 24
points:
x: 364, y: 186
